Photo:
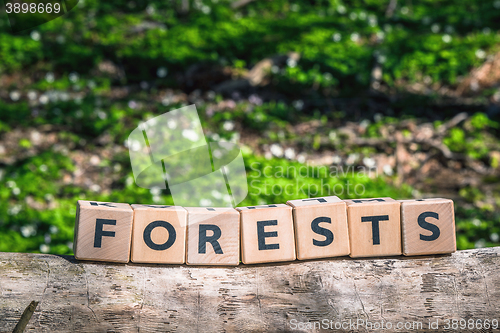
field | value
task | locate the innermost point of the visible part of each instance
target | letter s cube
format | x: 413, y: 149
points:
x: 428, y: 226
x: 103, y: 231
x: 320, y: 227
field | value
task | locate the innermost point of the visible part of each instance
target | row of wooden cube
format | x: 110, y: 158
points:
x: 304, y: 229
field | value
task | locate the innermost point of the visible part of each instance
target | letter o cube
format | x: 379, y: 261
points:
x: 159, y: 234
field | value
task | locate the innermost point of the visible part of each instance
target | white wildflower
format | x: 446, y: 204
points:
x: 44, y: 248
x: 35, y: 35
x: 161, y: 72
x: 276, y: 150
x: 15, y: 95
x: 290, y: 153
x: 228, y: 125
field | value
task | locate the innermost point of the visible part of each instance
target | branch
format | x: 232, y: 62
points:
x: 100, y: 297
x: 457, y: 119
x: 25, y: 317
x: 391, y: 8
x: 240, y: 3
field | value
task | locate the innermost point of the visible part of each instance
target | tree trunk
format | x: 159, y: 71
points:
x: 104, y: 297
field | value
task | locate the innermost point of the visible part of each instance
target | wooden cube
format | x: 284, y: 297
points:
x: 159, y: 234
x: 213, y: 236
x: 103, y: 231
x: 267, y: 234
x: 428, y: 226
x: 320, y: 227
x: 374, y: 227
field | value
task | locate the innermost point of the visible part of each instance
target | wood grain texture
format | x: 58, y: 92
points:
x: 320, y: 227
x: 267, y: 234
x: 102, y: 297
x: 374, y: 238
x: 115, y: 231
x: 221, y: 236
x: 439, y: 213
x: 166, y: 250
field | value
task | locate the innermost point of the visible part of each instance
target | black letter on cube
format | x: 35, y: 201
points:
x: 159, y: 247
x: 261, y: 234
x: 375, y: 226
x: 322, y: 231
x: 99, y: 233
x: 203, y: 239
x: 429, y: 226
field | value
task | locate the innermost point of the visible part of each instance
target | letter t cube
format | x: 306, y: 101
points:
x: 374, y: 227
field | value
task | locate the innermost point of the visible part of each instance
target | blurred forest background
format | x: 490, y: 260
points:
x: 409, y: 89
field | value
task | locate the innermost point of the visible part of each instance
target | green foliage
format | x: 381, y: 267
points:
x: 16, y: 51
x: 456, y: 139
x: 480, y: 121
x: 373, y: 129
x: 339, y: 44
x: 477, y: 228
x: 32, y: 184
x: 476, y: 138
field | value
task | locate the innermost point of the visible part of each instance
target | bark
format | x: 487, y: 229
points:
x: 103, y: 297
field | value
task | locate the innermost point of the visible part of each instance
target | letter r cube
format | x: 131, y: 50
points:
x: 103, y: 231
x: 213, y: 236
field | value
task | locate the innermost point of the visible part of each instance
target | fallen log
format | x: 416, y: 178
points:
x: 103, y: 297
